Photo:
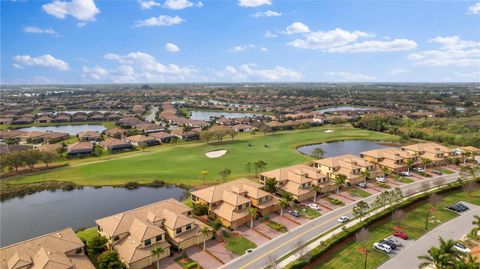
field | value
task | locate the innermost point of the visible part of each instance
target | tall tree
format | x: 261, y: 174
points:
x: 225, y: 173
x: 203, y: 175
x: 252, y: 212
x: 340, y: 180
x: 360, y: 209
x: 205, y: 231
x: 248, y: 168
x: 316, y: 189
x: 156, y: 252
x: 318, y: 153
x: 270, y: 185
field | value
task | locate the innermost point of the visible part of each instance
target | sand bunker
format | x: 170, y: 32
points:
x: 328, y: 131
x: 216, y: 153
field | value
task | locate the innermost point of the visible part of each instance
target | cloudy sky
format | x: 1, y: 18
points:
x: 87, y: 41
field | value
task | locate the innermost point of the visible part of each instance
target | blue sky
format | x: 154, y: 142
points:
x: 87, y: 41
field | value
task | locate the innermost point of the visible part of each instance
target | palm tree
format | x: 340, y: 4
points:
x: 466, y: 155
x: 410, y: 162
x: 283, y: 204
x: 205, y: 231
x: 252, y: 212
x: 316, y: 189
x: 225, y: 173
x: 318, y: 153
x: 444, y: 256
x: 426, y: 163
x: 156, y: 252
x: 204, y: 175
x: 366, y: 174
x: 340, y: 180
x: 476, y: 222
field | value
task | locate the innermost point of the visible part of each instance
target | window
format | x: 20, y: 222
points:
x: 178, y: 230
x: 148, y: 242
x: 189, y: 226
x: 78, y: 251
x: 115, y: 238
x: 158, y: 238
x: 99, y: 228
x: 194, y: 198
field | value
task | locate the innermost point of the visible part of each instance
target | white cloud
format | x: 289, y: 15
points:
x: 143, y: 67
x: 241, y: 48
x: 351, y: 77
x: 268, y: 13
x: 250, y: 72
x: 472, y: 76
x: 180, y: 4
x: 397, y: 71
x: 377, y: 46
x: 162, y: 20
x: 295, y: 28
x: 46, y: 60
x: 327, y: 40
x: 254, y: 3
x: 475, y: 9
x: 148, y: 4
x: 452, y: 51
x: 37, y: 30
x: 94, y: 73
x: 82, y: 10
x: 170, y: 47
x: 269, y: 34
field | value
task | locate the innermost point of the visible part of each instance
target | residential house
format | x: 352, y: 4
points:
x: 349, y: 165
x: 240, y: 128
x: 394, y: 160
x: 60, y: 249
x: 162, y: 136
x: 49, y: 147
x: 142, y: 141
x: 148, y: 127
x: 80, y: 149
x: 89, y: 136
x: 298, y: 181
x: 116, y: 132
x: 43, y: 119
x: 436, y: 153
x: 114, y: 144
x: 229, y: 202
x: 128, y: 122
x: 136, y: 232
x: 186, y: 135
x: 53, y: 137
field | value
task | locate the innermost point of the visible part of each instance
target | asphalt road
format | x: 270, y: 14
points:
x: 453, y: 229
x: 287, y: 242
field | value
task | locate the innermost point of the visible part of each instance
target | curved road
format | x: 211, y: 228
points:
x: 287, y: 242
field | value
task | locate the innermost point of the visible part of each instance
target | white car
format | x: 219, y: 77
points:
x: 382, y: 247
x: 405, y: 173
x: 343, y: 219
x: 419, y: 169
x: 314, y: 206
x: 461, y: 248
x: 380, y: 179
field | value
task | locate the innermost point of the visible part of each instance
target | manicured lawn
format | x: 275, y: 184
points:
x: 237, y: 243
x: 335, y: 201
x: 359, y: 192
x: 88, y: 233
x: 183, y: 163
x: 445, y: 171
x: 405, y: 180
x: 348, y: 256
x: 307, y: 212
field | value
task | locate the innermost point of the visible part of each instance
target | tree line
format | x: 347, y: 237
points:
x: 29, y: 158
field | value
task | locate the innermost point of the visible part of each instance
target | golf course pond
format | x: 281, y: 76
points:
x: 341, y: 147
x: 344, y: 108
x: 207, y: 115
x: 70, y: 129
x: 47, y: 211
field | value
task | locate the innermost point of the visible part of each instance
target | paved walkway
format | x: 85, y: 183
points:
x: 453, y: 229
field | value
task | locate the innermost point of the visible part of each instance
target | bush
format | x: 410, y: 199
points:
x: 335, y: 201
x: 192, y: 265
x: 200, y: 210
x: 131, y: 185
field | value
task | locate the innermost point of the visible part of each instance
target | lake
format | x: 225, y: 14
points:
x: 70, y: 129
x: 44, y: 212
x: 343, y: 147
x: 342, y: 108
x: 206, y: 115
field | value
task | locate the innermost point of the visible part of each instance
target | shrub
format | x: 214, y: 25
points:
x: 200, y: 210
x: 335, y: 201
x: 131, y: 185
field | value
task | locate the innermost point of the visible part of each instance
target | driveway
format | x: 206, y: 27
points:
x: 252, y: 235
x: 203, y: 258
x: 265, y: 230
x: 287, y: 221
x: 453, y: 229
x: 167, y: 263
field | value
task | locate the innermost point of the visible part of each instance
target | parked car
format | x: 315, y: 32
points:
x: 392, y: 245
x: 436, y: 172
x: 458, y: 207
x: 362, y: 185
x: 461, y: 248
x: 380, y: 179
x: 294, y: 213
x: 419, y: 169
x: 402, y: 235
x: 314, y: 206
x: 405, y: 173
x: 343, y: 219
x: 382, y: 247
x: 462, y: 206
x: 393, y: 241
